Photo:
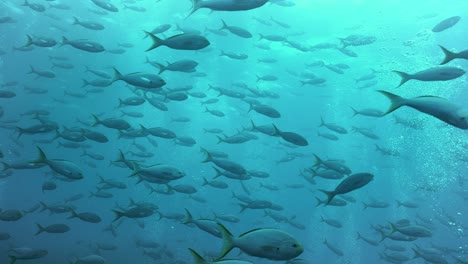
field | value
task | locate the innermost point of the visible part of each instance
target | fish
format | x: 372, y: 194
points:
x: 182, y: 41
x: 40, y: 42
x: 334, y: 127
x: 291, y: 137
x: 437, y: 107
x: 449, y: 55
x: 88, y: 24
x: 142, y: 80
x: 84, y: 45
x: 351, y: 183
x: 54, y: 229
x: 106, y: 5
x: 227, y: 5
x: 62, y: 167
x: 238, y: 31
x: 36, y: 7
x: 15, y: 254
x: 178, y: 66
x: 440, y: 73
x: 206, y: 225
x: 272, y: 244
x: 446, y: 24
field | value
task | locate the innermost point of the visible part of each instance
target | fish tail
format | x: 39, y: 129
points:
x: 261, y: 36
x: 26, y: 3
x: 396, y: 101
x: 74, y: 214
x: 330, y: 195
x: 118, y: 215
x: 404, y: 77
x: 188, y: 217
x: 96, y: 121
x: 253, y: 125
x: 117, y: 75
x: 85, y: 83
x: 322, y: 123
x: 277, y: 131
x: 75, y: 21
x: 398, y: 203
x: 162, y: 68
x: 358, y: 236
x: 208, y: 157
x: 20, y: 132
x: 205, y: 182
x: 218, y: 172
x: 64, y: 41
x: 365, y: 206
x: 12, y: 259
x: 40, y: 229
x: 31, y: 69
x: 196, y: 4
x: 29, y: 42
x: 198, y: 259
x: 319, y: 202
x: 224, y: 24
x: 136, y: 169
x: 355, y: 112
x: 228, y: 244
x: 6, y: 166
x: 156, y: 41
x: 318, y: 161
x: 42, y: 158
x: 449, y: 56
x: 416, y: 253
x: 243, y: 207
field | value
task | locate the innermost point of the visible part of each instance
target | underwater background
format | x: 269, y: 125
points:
x: 310, y: 67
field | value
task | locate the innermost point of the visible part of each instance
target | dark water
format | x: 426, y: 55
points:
x: 299, y: 69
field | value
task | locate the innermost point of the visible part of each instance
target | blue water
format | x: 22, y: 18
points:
x: 425, y: 164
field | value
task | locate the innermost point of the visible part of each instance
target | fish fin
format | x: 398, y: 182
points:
x: 318, y: 161
x: 188, y: 217
x: 117, y: 75
x: 224, y: 25
x: 330, y: 195
x: 42, y: 157
x: 448, y: 55
x: 96, y: 121
x: 11, y: 259
x: 404, y: 77
x: 29, y: 42
x: 64, y: 41
x: 218, y: 173
x: 40, y: 229
x: 205, y: 182
x: 118, y: 215
x: 136, y: 169
x: 74, y: 214
x: 228, y: 244
x: 75, y: 21
x: 85, y: 83
x: 355, y: 112
x: 6, y: 166
x: 156, y: 41
x: 277, y: 131
x: 396, y: 101
x: 198, y: 259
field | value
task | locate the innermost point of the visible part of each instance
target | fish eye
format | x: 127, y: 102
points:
x: 294, y: 245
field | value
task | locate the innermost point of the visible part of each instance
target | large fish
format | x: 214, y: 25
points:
x: 435, y: 106
x: 273, y: 244
x: 227, y: 5
x: 441, y: 73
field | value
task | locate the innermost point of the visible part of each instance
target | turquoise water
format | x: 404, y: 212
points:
x: 414, y: 158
